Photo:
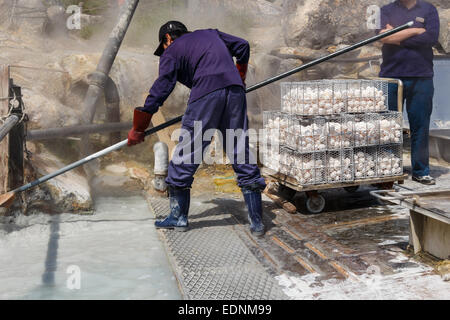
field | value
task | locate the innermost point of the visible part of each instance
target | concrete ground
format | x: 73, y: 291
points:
x: 358, y: 248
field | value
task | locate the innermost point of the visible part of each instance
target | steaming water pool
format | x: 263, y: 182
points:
x: 114, y: 254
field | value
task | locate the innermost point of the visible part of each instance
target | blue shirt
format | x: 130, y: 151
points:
x: 202, y: 61
x: 414, y: 56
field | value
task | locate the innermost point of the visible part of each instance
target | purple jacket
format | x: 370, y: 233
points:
x: 202, y: 61
x: 414, y: 57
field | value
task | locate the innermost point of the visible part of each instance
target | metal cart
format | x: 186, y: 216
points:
x: 316, y: 202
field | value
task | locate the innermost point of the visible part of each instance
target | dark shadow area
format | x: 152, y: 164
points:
x: 339, y: 200
x: 48, y: 278
x: 236, y: 208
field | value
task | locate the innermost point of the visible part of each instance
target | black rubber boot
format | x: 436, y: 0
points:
x: 179, y: 208
x: 253, y: 199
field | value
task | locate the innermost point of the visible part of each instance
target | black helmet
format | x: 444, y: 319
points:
x: 168, y: 28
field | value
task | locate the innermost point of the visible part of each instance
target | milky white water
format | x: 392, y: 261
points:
x: 414, y: 283
x: 113, y: 254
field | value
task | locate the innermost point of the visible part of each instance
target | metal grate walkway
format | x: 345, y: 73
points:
x: 211, y: 261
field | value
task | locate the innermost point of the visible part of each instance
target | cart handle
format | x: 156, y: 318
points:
x: 399, y: 90
x: 379, y: 194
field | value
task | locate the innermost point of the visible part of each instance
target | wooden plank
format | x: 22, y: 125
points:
x: 293, y: 184
x: 4, y: 145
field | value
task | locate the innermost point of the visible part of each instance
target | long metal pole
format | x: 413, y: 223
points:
x: 94, y: 156
x: 331, y: 56
x: 178, y: 119
x: 313, y: 63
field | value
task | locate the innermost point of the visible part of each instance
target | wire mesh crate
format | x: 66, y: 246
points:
x: 366, y: 129
x: 328, y: 97
x: 288, y: 161
x: 340, y: 132
x: 340, y: 96
x: 306, y: 134
x: 306, y: 168
x: 391, y: 128
x: 381, y: 95
x: 353, y: 96
x: 270, y: 156
x: 275, y: 127
x: 325, y: 101
x: 340, y: 166
x: 292, y: 97
x: 365, y: 162
x: 390, y: 160
x: 271, y: 125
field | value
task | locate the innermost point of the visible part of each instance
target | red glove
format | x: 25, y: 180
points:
x: 242, y: 68
x: 141, y: 121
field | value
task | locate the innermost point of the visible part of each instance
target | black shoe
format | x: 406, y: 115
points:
x: 430, y: 181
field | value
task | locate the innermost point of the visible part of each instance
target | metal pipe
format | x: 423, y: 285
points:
x: 112, y: 102
x: 10, y: 122
x: 99, y: 77
x: 55, y: 133
x: 161, y: 167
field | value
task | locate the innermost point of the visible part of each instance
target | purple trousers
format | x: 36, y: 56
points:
x: 226, y: 111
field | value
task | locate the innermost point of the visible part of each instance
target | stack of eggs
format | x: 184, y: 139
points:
x: 307, y: 135
x: 271, y: 158
x: 389, y: 161
x: 367, y: 130
x: 311, y: 101
x: 369, y: 99
x: 333, y: 131
x: 276, y: 126
x: 307, y: 169
x: 340, y: 167
x: 335, y: 97
x: 391, y: 130
x: 339, y: 133
x: 365, y: 163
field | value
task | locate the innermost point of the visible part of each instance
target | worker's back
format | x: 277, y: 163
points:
x: 204, y: 60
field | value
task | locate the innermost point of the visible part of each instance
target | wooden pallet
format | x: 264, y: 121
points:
x: 293, y: 183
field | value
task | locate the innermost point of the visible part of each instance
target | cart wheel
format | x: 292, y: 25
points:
x: 315, y: 204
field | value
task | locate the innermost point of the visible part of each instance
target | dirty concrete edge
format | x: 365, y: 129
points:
x: 172, y: 262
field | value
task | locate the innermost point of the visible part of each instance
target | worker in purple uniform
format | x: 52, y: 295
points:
x: 408, y: 56
x: 203, y: 61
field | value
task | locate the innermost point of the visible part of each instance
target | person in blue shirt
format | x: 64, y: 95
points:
x: 408, y: 56
x: 203, y: 61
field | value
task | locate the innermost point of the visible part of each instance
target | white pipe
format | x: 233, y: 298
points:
x: 161, y: 152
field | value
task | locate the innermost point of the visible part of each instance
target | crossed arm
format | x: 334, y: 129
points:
x: 414, y: 37
x: 401, y: 36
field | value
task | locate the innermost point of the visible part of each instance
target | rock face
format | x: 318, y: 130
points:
x: 320, y: 23
x: 444, y: 38
x: 260, y: 11
x: 69, y: 192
